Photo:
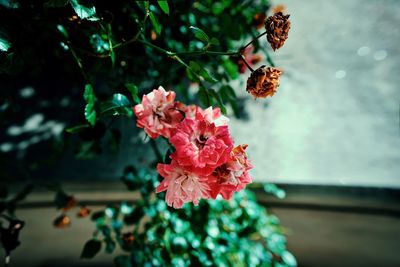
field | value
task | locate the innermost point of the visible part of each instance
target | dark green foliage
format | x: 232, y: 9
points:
x: 238, y: 232
x: 91, y: 248
x: 90, y: 112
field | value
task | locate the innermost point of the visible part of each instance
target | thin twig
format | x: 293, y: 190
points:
x: 252, y: 41
x: 78, y: 61
x: 245, y: 62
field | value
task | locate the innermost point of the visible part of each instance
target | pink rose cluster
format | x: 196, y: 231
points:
x: 205, y: 162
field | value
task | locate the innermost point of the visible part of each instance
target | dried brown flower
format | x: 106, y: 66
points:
x: 277, y: 27
x: 263, y: 82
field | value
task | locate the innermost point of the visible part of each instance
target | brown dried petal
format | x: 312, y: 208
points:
x: 263, y: 82
x: 277, y: 27
x: 62, y: 221
x: 83, y: 212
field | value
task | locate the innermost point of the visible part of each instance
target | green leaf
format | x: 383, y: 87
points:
x: 194, y: 66
x: 118, y: 105
x: 191, y: 75
x: 228, y: 92
x: 76, y: 129
x: 62, y: 29
x: 204, y: 97
x: 133, y: 89
x: 84, y: 12
x: 122, y: 261
x: 214, y: 41
x: 112, y: 52
x: 154, y: 21
x: 219, y: 100
x: 200, y: 34
x: 91, y: 248
x: 289, y: 259
x: 276, y: 191
x: 90, y: 112
x: 97, y: 215
x: 164, y: 6
x: 134, y: 217
x: 4, y: 45
x: 110, y: 245
x: 231, y: 68
x: 9, y: 4
x: 112, y: 57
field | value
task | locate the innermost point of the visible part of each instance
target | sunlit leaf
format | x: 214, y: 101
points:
x: 289, y: 259
x: 90, y: 112
x: 164, y: 6
x: 4, y: 45
x: 155, y: 23
x: 118, y: 105
x: 84, y: 12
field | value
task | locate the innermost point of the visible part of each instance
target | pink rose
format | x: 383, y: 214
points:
x: 211, y: 115
x: 157, y: 114
x: 201, y: 145
x: 182, y: 186
x: 232, y: 176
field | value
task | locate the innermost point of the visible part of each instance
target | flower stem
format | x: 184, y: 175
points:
x: 247, y: 64
x: 78, y: 61
x: 252, y: 41
x: 189, y: 53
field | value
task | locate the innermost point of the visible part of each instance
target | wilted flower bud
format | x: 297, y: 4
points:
x: 277, y: 27
x: 263, y: 82
x: 258, y: 20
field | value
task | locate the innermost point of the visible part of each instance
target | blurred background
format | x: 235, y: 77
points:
x: 330, y: 137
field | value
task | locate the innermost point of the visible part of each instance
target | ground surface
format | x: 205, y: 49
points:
x: 317, y: 238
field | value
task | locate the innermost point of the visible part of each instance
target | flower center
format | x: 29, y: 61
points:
x: 201, y: 141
